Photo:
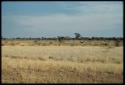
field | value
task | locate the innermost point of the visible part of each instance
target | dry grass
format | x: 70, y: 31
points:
x: 62, y: 64
x: 64, y: 43
x: 37, y: 71
x: 66, y: 53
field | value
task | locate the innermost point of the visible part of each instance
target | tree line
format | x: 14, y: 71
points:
x: 61, y: 38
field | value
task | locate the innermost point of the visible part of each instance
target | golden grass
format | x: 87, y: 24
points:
x: 36, y: 71
x: 62, y: 64
x: 64, y: 43
x: 66, y: 53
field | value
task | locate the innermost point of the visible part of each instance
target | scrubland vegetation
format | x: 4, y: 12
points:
x: 62, y: 43
x: 70, y: 61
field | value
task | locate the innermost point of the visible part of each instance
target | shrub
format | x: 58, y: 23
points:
x: 117, y: 43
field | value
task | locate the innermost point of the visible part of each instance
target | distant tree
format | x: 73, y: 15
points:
x: 60, y: 39
x: 77, y: 35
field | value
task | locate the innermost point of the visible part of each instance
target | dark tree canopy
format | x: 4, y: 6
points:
x: 60, y: 39
x: 77, y: 35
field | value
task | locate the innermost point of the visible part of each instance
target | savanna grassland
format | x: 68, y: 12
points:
x: 51, y: 62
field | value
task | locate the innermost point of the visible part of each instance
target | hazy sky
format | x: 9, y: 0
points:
x: 51, y: 19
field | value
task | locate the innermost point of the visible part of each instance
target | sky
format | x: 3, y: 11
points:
x: 62, y: 18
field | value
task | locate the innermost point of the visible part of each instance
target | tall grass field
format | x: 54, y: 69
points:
x: 62, y: 64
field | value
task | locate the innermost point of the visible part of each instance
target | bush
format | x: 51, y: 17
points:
x: 117, y: 43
